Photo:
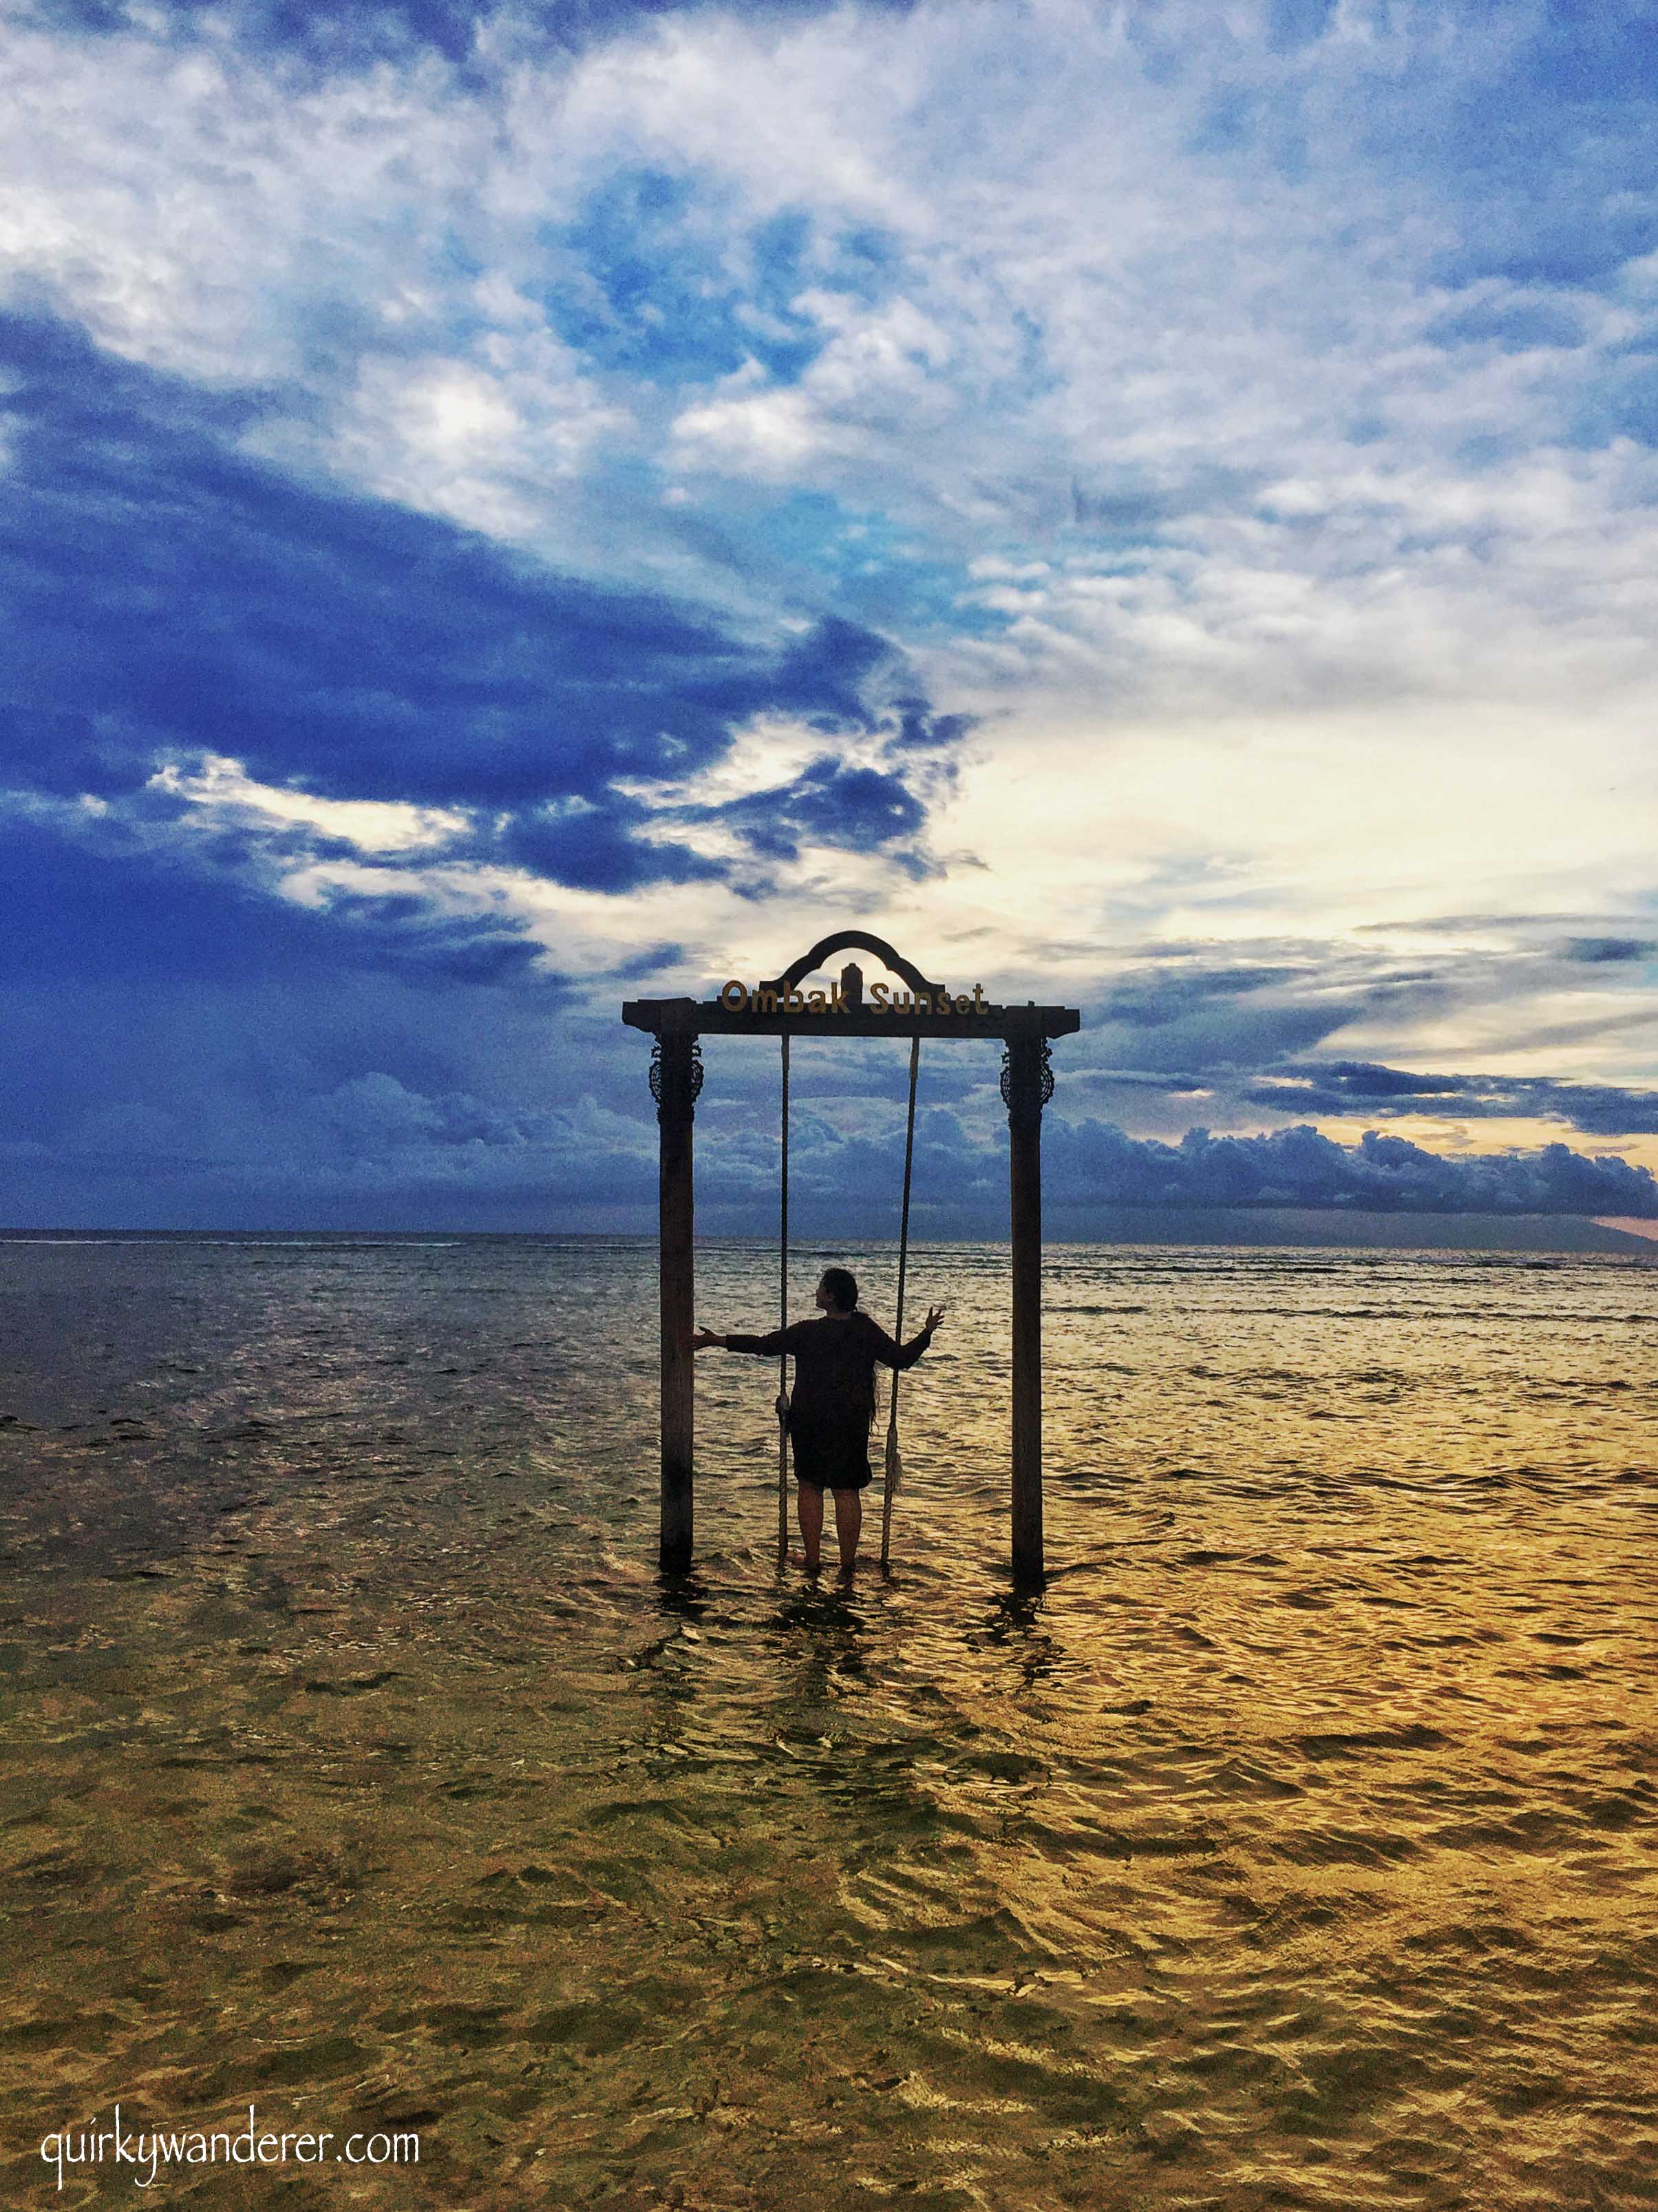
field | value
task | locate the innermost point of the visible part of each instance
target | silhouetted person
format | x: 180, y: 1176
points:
x: 834, y: 1401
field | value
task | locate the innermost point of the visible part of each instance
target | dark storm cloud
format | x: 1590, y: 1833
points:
x: 1249, y: 1027
x: 183, y: 1046
x: 1094, y: 1162
x: 1357, y: 1086
x: 179, y: 1053
x: 857, y: 809
x: 1205, y: 1037
x: 135, y: 916
x: 169, y: 597
x: 153, y: 1014
x: 1602, y: 951
x: 1241, y: 1032
x: 595, y: 851
x: 919, y: 730
x: 1186, y: 1019
x: 1152, y: 1000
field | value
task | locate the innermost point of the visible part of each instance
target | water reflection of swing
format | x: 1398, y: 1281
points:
x: 779, y: 1009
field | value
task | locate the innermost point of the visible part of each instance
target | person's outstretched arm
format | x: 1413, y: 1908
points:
x: 766, y: 1347
x: 905, y: 1355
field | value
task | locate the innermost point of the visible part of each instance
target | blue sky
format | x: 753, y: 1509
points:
x: 508, y: 509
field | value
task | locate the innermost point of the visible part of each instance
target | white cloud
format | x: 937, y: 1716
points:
x: 1286, y: 615
x: 881, y: 375
x: 225, y: 793
x: 488, y: 441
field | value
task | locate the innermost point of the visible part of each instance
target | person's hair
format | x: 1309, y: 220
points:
x: 842, y: 1286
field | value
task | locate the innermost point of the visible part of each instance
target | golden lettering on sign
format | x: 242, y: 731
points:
x: 736, y: 998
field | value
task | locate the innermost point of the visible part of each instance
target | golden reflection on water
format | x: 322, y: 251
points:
x: 1295, y: 1848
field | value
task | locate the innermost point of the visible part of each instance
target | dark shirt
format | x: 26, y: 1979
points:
x: 834, y: 1362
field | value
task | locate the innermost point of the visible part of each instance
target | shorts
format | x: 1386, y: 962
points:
x: 831, y: 1455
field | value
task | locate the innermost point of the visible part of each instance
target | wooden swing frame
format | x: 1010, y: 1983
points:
x: 677, y: 1026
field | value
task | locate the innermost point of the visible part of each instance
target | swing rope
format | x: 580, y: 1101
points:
x: 894, y: 1473
x: 894, y: 1469
x: 783, y: 1358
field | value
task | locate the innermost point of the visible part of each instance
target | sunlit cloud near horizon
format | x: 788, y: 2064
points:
x: 509, y: 510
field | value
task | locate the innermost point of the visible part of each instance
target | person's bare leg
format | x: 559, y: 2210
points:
x: 809, y: 1504
x: 849, y: 1520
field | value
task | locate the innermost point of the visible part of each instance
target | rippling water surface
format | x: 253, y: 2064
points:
x: 1295, y: 1848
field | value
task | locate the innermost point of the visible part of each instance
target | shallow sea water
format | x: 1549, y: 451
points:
x: 1296, y: 1847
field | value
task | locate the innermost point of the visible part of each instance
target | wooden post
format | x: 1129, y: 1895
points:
x: 676, y: 1078
x: 1026, y: 1086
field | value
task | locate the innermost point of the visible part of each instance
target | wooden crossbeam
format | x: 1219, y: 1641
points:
x: 708, y: 1018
